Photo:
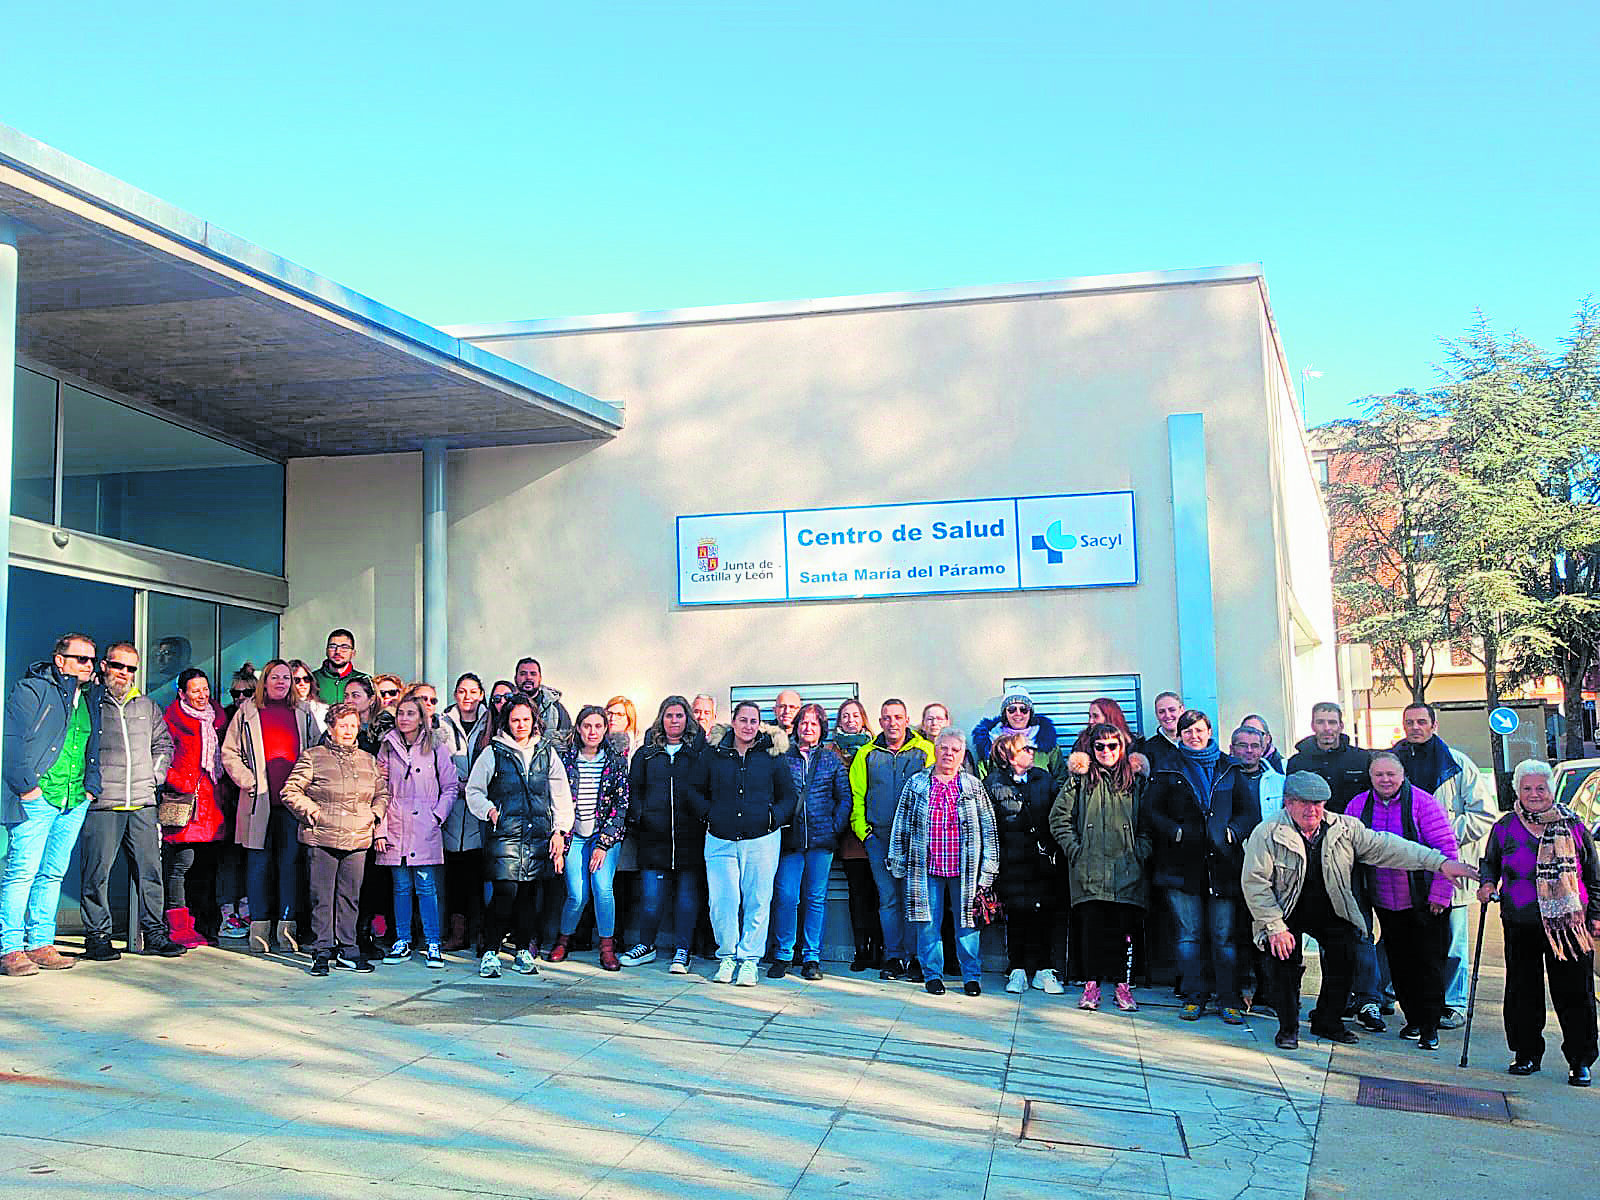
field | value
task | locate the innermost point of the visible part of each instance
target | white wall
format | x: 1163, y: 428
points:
x: 567, y: 552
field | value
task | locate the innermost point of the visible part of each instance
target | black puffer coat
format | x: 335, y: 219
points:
x: 517, y: 846
x: 747, y: 796
x: 1344, y: 768
x: 666, y: 805
x: 1198, y: 851
x: 1028, y: 877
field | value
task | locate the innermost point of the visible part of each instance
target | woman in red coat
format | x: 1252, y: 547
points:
x: 189, y: 855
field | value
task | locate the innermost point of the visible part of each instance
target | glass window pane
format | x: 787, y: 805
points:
x: 182, y: 633
x: 132, y: 476
x: 33, y: 449
x: 248, y: 636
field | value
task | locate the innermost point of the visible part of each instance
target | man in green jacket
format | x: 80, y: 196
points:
x: 52, y: 772
x: 878, y: 774
x: 338, y: 668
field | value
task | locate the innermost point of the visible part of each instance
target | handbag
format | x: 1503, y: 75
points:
x: 175, y: 809
x: 986, y: 908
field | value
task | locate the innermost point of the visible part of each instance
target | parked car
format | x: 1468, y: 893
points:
x: 1570, y: 774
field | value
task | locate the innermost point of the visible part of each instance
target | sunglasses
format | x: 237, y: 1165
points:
x: 1022, y: 708
x: 388, y: 693
x: 81, y: 658
x: 1108, y: 745
x: 130, y: 668
x: 302, y: 679
x: 240, y: 694
x: 500, y: 697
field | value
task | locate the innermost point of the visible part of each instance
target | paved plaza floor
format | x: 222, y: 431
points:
x: 229, y: 1075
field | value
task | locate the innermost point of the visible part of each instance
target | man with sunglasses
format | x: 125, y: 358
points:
x: 52, y: 772
x: 337, y: 668
x: 135, y: 751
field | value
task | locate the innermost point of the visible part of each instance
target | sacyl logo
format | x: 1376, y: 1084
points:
x: 1055, y: 542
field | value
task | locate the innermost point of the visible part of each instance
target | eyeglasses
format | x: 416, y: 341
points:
x: 130, y: 668
x: 1108, y: 745
x: 340, y: 646
x: 1021, y: 708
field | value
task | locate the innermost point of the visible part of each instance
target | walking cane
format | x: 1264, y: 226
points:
x: 1472, y: 991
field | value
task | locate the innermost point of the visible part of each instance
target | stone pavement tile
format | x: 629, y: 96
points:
x: 641, y: 1184
x: 534, y: 1135
x: 331, y: 1150
x: 1080, y: 1166
x: 104, y: 1171
x: 625, y: 1106
x: 30, y: 1112
x: 843, y: 1175
x: 812, y: 1079
x: 1210, y: 1100
x: 133, y: 1129
x: 697, y: 1163
x: 739, y: 1123
x: 898, y: 1104
x: 566, y: 1173
x: 1234, y: 1135
x: 1205, y: 1179
x: 899, y: 1143
x: 933, y: 1086
x: 1005, y: 1187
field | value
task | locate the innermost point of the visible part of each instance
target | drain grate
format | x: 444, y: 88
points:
x: 1105, y: 1128
x: 1407, y: 1095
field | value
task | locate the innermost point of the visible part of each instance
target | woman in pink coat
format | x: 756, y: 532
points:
x: 422, y: 789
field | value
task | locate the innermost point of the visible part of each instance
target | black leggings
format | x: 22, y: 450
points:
x: 514, y: 908
x: 182, y: 860
x: 1111, y: 934
x: 863, y: 904
x: 1030, y: 932
x: 463, y: 885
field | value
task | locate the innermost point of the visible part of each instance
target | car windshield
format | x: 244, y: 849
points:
x: 1585, y: 803
x: 1571, y: 778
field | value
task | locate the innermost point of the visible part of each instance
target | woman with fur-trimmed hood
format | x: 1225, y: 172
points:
x: 1017, y: 715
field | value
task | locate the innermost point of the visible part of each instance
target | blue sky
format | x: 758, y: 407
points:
x: 1393, y: 166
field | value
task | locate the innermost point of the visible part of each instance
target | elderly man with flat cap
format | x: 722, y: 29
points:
x: 1299, y: 870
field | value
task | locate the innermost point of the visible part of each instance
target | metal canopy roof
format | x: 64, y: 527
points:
x: 130, y: 293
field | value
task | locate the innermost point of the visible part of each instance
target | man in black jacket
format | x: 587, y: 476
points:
x: 1329, y: 752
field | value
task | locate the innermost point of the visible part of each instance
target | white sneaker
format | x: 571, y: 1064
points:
x: 523, y: 964
x: 725, y: 970
x: 399, y: 952
x: 747, y: 975
x: 1048, y: 982
x: 638, y: 956
x: 489, y: 967
x: 680, y: 963
x: 1017, y: 982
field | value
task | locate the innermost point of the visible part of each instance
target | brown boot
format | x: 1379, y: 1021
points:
x: 17, y: 963
x: 456, y: 939
x: 558, y: 952
x: 287, y: 937
x: 260, y: 936
x: 50, y: 959
x: 608, y: 955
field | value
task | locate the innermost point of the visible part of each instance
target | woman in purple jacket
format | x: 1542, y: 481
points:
x: 1413, y: 907
x: 422, y: 790
x: 1540, y: 863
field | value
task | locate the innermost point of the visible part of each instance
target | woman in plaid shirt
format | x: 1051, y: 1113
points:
x: 944, y: 846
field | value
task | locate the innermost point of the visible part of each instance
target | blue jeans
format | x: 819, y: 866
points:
x: 30, y: 889
x: 739, y: 881
x: 581, y: 881
x: 1370, y: 983
x: 891, y: 900
x: 801, y: 884
x: 1202, y: 924
x: 1455, y: 961
x: 425, y: 881
x: 944, y: 892
x: 686, y: 904
x: 279, y: 857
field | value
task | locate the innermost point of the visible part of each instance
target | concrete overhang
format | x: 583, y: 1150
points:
x: 137, y: 296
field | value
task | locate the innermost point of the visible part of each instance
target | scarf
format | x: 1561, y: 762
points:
x: 1426, y: 764
x: 210, y: 756
x: 1556, y: 881
x: 1199, y: 767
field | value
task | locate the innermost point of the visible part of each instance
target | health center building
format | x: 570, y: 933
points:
x: 1094, y: 486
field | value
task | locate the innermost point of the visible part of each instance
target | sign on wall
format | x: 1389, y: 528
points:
x: 1024, y: 543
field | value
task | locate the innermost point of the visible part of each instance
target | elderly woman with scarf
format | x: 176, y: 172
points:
x: 1540, y: 863
x: 1201, y: 812
x: 945, y: 847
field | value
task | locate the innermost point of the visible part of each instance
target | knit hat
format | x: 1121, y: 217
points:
x: 1308, y: 787
x: 1016, y: 696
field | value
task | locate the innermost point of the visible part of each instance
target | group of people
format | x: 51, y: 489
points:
x: 500, y: 821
